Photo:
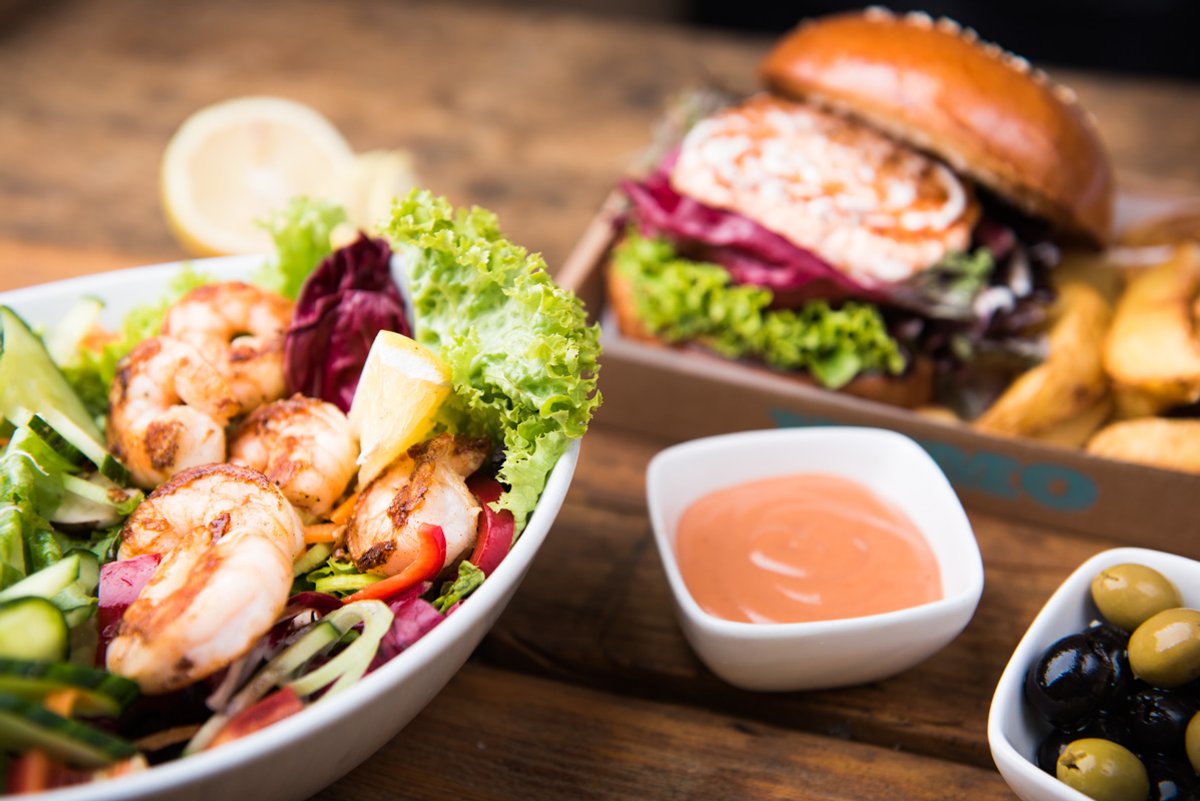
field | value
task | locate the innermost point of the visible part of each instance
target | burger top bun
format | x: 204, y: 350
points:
x: 985, y: 112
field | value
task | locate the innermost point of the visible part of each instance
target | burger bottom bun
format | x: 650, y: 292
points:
x: 912, y: 389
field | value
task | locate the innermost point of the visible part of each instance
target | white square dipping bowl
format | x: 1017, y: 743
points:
x: 828, y: 653
x: 1014, y: 731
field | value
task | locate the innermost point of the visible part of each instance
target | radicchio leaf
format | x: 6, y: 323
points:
x: 347, y: 300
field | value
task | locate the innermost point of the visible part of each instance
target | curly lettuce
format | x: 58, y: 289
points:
x: 685, y: 301
x: 301, y: 232
x: 523, y: 359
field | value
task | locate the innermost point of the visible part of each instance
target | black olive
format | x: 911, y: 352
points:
x: 1100, y: 632
x: 1157, y: 719
x: 1071, y: 680
x: 1170, y: 779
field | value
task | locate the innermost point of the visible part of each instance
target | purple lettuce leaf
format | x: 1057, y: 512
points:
x: 346, y: 301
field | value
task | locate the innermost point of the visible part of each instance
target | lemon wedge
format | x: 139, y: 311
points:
x: 232, y: 163
x: 401, y: 388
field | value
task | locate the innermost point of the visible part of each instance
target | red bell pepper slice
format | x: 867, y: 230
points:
x: 496, y: 529
x: 429, y: 562
x: 275, y: 707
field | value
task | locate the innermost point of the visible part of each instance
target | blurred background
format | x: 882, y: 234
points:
x: 1148, y: 37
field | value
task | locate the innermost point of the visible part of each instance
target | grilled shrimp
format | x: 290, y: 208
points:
x: 304, y: 445
x: 168, y: 407
x: 426, y: 485
x: 228, y: 539
x: 239, y: 328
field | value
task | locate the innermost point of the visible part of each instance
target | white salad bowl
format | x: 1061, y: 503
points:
x: 297, y: 756
x: 827, y: 653
x: 1014, y: 732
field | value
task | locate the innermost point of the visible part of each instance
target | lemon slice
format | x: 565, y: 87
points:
x: 401, y: 388
x: 234, y: 162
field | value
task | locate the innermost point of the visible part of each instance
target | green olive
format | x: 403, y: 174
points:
x: 1191, y: 741
x: 1128, y: 595
x: 1165, y: 650
x: 1103, y: 770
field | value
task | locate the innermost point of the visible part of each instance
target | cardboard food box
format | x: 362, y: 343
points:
x: 682, y: 393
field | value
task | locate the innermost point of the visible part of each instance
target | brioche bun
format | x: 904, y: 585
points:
x: 912, y: 389
x: 935, y: 86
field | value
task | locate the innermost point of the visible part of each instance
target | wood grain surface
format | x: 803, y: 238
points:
x: 585, y: 688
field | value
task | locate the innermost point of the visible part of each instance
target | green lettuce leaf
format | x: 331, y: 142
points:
x: 31, y: 487
x: 684, y: 301
x: 92, y: 371
x: 523, y: 359
x: 468, y: 580
x: 301, y: 232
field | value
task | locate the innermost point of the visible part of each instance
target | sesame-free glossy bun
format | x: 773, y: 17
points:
x: 985, y: 112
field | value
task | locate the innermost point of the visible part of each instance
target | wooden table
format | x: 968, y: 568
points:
x: 586, y: 687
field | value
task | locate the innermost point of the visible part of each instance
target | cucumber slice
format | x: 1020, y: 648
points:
x: 62, y: 343
x: 351, y: 664
x: 24, y: 725
x: 75, y: 511
x: 47, y: 582
x: 30, y: 379
x: 311, y: 559
x: 100, y: 692
x: 103, y: 491
x: 76, y: 604
x: 89, y: 445
x: 74, y: 456
x: 89, y: 569
x: 33, y: 628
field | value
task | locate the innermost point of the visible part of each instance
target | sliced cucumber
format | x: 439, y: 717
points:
x: 89, y: 445
x: 100, y: 692
x: 63, y: 342
x: 77, y: 512
x: 33, y: 628
x: 311, y: 559
x: 76, y: 603
x: 30, y: 379
x: 24, y: 725
x: 103, y: 491
x: 47, y: 582
x: 38, y: 425
x: 89, y: 569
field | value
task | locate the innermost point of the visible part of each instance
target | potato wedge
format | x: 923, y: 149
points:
x: 1071, y: 379
x: 1153, y: 346
x: 1130, y: 403
x: 1158, y: 441
x: 1074, y: 431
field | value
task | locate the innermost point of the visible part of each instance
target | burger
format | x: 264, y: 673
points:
x: 881, y: 219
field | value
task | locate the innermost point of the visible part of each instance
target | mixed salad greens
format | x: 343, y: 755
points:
x: 524, y: 367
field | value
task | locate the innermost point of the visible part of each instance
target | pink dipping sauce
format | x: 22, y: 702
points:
x: 801, y: 548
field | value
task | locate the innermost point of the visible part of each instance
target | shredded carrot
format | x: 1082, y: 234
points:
x: 321, y: 532
x: 61, y: 702
x: 344, y: 510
